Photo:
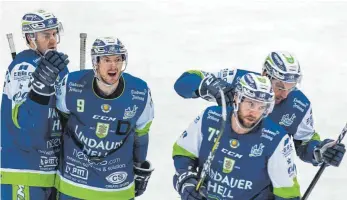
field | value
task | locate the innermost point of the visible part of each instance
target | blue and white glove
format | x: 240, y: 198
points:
x: 185, y: 185
x: 47, y: 71
x: 209, y: 89
x: 142, y: 173
x: 329, y: 152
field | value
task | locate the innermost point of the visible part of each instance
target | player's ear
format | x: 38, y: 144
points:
x: 28, y: 38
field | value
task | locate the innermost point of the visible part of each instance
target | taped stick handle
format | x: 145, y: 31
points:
x: 11, y: 44
x: 83, y: 38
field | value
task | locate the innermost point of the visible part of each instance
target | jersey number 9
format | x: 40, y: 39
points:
x: 80, y: 105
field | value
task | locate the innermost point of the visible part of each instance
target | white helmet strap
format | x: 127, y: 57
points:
x: 236, y: 106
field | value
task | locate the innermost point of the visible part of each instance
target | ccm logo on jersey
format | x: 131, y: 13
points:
x: 104, y: 118
x: 117, y: 177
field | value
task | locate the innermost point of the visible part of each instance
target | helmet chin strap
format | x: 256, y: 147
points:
x: 238, y: 123
x: 100, y: 79
x: 33, y: 40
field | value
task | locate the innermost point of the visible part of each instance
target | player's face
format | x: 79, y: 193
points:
x: 281, y: 89
x: 47, y: 40
x: 250, y: 112
x: 110, y: 68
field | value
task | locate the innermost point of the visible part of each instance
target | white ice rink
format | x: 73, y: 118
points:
x: 166, y: 38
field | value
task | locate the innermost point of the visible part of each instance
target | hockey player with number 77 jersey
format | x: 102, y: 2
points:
x: 245, y: 163
x: 293, y: 110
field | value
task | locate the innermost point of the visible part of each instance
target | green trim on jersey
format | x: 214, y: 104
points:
x: 196, y: 72
x: 144, y: 131
x: 316, y: 137
x: 88, y: 193
x: 15, y: 115
x: 288, y: 192
x: 180, y: 151
x: 23, y: 177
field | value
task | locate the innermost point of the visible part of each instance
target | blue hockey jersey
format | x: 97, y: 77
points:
x: 28, y: 149
x: 103, y: 137
x: 244, y: 164
x: 294, y: 113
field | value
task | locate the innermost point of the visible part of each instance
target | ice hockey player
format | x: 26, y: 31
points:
x: 245, y: 162
x: 28, y: 155
x: 107, y: 114
x: 292, y: 109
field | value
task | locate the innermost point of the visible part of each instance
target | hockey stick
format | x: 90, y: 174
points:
x: 207, y: 164
x: 11, y: 44
x: 322, y: 168
x: 83, y: 38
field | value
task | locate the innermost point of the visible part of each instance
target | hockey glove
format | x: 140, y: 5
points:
x: 329, y: 152
x: 186, y: 184
x: 209, y: 89
x: 142, y: 175
x: 47, y: 71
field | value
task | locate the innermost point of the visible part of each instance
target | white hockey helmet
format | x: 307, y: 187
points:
x: 254, y: 87
x: 38, y: 21
x: 283, y: 66
x: 108, y: 46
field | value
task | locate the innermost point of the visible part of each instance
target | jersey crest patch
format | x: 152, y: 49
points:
x: 228, y: 165
x: 102, y: 129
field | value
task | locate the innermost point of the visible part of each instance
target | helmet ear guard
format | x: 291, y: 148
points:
x: 236, y: 102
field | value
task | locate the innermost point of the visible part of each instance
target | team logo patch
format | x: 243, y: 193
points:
x: 228, y: 165
x: 128, y: 113
x: 102, y: 129
x: 105, y: 108
x: 257, y: 150
x: 286, y: 120
x: 234, y: 143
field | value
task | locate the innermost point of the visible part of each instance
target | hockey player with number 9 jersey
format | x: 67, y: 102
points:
x: 105, y: 134
x: 107, y: 115
x: 245, y: 163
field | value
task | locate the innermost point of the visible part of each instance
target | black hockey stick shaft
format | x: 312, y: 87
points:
x: 322, y: 168
x: 208, y: 162
x: 11, y: 44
